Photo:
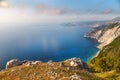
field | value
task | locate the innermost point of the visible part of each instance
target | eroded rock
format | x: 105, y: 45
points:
x: 76, y: 62
x: 16, y: 62
x: 13, y: 63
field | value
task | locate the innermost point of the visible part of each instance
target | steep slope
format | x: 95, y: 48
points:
x: 107, y: 64
x: 108, y: 58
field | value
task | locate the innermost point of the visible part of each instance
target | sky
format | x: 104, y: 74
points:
x: 42, y: 11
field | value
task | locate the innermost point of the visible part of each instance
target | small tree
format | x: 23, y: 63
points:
x: 62, y: 63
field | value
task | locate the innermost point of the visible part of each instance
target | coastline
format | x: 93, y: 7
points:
x: 97, y: 46
x: 100, y: 48
x: 104, y: 37
x: 96, y: 54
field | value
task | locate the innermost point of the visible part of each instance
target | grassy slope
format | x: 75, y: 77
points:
x: 44, y: 71
x: 108, y: 61
x: 109, y: 75
x: 107, y: 64
x: 108, y: 58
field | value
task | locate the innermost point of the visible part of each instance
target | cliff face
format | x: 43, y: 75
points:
x: 106, y: 35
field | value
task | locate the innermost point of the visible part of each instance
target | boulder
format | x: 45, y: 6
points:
x: 77, y: 62
x: 13, y: 63
x: 75, y: 77
x: 73, y: 63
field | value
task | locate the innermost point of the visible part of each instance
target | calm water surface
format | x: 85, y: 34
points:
x: 37, y: 42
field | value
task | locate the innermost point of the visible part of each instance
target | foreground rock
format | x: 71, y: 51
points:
x: 16, y: 62
x: 76, y: 62
x: 73, y: 62
x: 13, y: 63
x: 70, y: 69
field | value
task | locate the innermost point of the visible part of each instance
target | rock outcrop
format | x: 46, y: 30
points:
x: 76, y: 62
x: 73, y: 62
x: 14, y: 62
x: 105, y: 36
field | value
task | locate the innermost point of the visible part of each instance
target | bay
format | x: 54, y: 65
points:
x: 44, y: 42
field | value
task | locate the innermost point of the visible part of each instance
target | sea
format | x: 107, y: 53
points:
x: 45, y: 42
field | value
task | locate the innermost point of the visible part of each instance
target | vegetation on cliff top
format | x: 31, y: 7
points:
x: 105, y: 27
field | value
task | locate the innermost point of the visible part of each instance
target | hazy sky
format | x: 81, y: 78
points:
x: 57, y: 10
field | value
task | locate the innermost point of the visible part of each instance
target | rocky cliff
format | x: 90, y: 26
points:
x: 106, y: 64
x: 105, y: 35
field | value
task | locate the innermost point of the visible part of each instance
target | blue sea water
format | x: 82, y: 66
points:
x: 44, y: 42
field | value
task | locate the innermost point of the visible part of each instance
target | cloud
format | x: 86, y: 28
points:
x: 4, y: 4
x: 42, y: 6
x: 29, y: 14
x: 16, y: 15
x: 108, y: 11
x: 46, y: 9
x: 39, y: 8
x: 53, y: 11
x: 43, y: 13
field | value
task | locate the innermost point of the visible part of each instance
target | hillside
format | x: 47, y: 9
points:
x: 72, y: 69
x: 106, y: 64
x: 108, y: 59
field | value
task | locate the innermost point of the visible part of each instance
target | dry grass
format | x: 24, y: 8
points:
x: 110, y: 75
x: 45, y: 71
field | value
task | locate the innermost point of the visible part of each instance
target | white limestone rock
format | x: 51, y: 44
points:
x: 77, y: 62
x: 104, y: 37
x: 75, y: 77
x: 13, y: 63
x: 73, y: 63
